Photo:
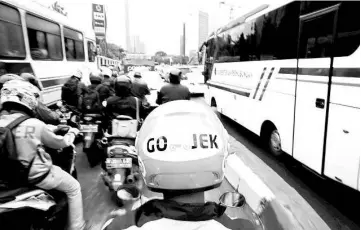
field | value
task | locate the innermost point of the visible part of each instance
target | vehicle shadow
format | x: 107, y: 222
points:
x: 317, y: 191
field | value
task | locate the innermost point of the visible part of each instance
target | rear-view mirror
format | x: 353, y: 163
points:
x: 232, y: 200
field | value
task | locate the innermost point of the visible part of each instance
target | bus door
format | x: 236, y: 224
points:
x: 317, y: 30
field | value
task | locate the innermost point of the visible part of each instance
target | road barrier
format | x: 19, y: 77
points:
x: 259, y: 197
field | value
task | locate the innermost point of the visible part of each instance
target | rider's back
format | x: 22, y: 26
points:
x: 121, y: 106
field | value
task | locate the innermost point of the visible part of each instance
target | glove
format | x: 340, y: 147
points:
x: 74, y: 131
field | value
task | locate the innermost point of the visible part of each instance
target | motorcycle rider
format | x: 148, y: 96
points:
x: 42, y: 112
x: 106, y: 89
x: 18, y: 98
x: 182, y: 150
x: 139, y: 87
x: 91, y: 99
x: 72, y: 91
x: 123, y: 103
x: 174, y: 90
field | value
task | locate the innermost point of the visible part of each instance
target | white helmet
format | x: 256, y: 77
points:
x: 107, y: 71
x: 78, y: 74
x: 182, y: 146
x: 21, y: 92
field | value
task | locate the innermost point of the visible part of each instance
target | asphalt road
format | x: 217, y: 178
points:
x: 338, y: 207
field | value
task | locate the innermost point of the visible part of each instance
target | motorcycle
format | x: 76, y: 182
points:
x: 68, y: 116
x: 38, y: 209
x: 90, y: 127
x: 120, y: 166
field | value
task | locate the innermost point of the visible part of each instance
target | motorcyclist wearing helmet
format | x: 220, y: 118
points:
x: 19, y: 98
x: 139, y: 87
x: 123, y: 103
x: 72, y: 91
x: 182, y: 148
x: 42, y: 112
x: 174, y: 90
x: 107, y: 88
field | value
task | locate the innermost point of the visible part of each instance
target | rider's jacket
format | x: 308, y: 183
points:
x: 31, y: 134
x: 162, y: 214
x: 173, y: 92
x: 122, y: 106
x: 139, y: 88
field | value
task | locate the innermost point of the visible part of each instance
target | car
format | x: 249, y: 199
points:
x: 192, y: 78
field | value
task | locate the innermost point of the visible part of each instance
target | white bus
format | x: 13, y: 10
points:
x: 38, y: 40
x: 105, y: 61
x: 290, y: 73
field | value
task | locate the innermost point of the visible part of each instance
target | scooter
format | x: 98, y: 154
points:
x: 90, y: 128
x: 120, y: 167
x: 33, y: 208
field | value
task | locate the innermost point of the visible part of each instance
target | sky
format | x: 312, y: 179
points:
x: 158, y: 23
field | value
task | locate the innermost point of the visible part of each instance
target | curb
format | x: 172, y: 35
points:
x: 259, y: 197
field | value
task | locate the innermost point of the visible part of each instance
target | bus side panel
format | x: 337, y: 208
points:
x: 278, y: 100
x: 342, y: 162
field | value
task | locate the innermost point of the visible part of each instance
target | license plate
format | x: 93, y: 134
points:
x: 118, y: 162
x: 89, y: 128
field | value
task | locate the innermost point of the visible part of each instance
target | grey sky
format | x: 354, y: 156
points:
x: 157, y: 22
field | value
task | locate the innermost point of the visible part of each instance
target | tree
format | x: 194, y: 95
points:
x: 160, y: 54
x: 115, y: 52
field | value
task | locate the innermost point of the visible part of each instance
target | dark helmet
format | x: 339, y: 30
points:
x: 123, y: 85
x: 137, y: 75
x: 175, y: 76
x: 95, y: 77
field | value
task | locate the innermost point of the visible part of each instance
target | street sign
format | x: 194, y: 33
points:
x: 99, y: 20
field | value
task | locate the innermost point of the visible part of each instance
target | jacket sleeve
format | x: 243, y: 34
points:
x: 51, y: 140
x: 46, y: 115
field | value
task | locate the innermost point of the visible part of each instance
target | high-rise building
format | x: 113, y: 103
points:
x: 127, y: 31
x: 181, y: 42
x: 196, y: 30
x: 203, y: 27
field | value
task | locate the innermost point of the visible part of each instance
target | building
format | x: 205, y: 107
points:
x: 202, y: 28
x: 181, y: 51
x: 196, y: 30
x: 137, y: 46
x: 127, y: 31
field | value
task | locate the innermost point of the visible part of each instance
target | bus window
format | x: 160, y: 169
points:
x: 74, y: 47
x: 44, y: 39
x: 91, y: 51
x: 11, y: 36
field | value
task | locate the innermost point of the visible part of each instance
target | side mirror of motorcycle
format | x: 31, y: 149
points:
x: 232, y: 200
x: 59, y: 104
x: 104, y: 103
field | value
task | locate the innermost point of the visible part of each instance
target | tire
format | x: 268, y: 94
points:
x: 273, y: 142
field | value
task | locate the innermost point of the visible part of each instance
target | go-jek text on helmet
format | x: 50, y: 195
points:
x: 182, y: 147
x: 20, y: 92
x: 95, y: 77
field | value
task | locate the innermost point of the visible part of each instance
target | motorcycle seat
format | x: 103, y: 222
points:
x: 6, y: 194
x: 93, y: 115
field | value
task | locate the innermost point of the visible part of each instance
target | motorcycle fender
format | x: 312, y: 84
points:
x: 88, y: 139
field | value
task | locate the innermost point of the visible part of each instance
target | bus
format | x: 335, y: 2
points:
x: 290, y: 73
x: 38, y: 40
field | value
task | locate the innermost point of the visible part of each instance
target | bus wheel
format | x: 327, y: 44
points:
x: 271, y: 138
x: 274, y: 142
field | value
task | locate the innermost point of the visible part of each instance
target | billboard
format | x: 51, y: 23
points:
x: 99, y: 21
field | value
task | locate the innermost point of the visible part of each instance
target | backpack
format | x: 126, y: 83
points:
x: 13, y: 173
x: 90, y: 101
x: 69, y: 91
